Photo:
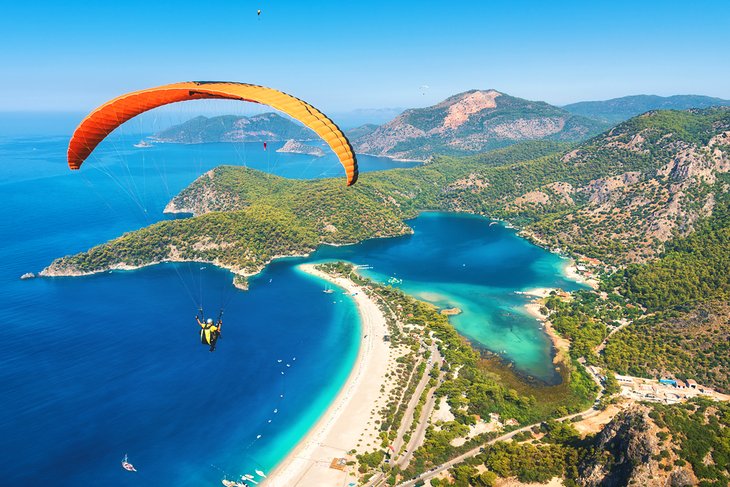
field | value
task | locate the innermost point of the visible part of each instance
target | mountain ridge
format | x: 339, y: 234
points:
x: 265, y: 127
x: 471, y: 122
x: 620, y: 109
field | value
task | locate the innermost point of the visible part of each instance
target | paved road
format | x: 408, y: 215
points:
x: 412, y: 403
x: 408, y: 419
x: 420, y: 433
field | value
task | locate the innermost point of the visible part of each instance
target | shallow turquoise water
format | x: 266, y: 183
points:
x: 468, y: 262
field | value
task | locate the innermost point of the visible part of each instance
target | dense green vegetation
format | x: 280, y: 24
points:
x: 687, y: 345
x: 693, y: 269
x: 701, y: 432
x: 687, y: 335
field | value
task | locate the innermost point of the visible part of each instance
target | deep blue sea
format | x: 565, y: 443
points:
x: 95, y: 367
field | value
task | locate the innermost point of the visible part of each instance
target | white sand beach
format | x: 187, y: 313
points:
x: 346, y: 421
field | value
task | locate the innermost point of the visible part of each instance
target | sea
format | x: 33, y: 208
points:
x: 98, y: 367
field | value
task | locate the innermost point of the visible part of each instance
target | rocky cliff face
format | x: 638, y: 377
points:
x: 669, y: 182
x: 294, y: 147
x: 474, y: 121
x: 625, y: 453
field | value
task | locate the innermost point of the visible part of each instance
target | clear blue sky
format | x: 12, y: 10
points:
x: 343, y: 55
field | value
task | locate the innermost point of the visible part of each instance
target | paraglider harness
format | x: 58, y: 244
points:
x: 210, y: 332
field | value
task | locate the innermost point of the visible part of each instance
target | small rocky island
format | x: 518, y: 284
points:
x: 295, y: 147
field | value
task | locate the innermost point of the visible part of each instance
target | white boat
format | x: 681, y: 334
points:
x: 231, y: 483
x: 142, y: 144
x: 127, y: 466
x: 260, y: 473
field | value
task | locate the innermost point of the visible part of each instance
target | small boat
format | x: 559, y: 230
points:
x: 231, y: 483
x: 328, y: 290
x: 260, y: 473
x: 142, y: 144
x: 127, y: 466
x: 493, y: 223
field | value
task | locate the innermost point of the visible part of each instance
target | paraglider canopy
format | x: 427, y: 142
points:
x: 104, y: 119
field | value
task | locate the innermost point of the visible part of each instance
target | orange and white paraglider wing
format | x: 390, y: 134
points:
x: 103, y: 120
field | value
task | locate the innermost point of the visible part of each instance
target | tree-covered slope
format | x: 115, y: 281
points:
x: 231, y: 128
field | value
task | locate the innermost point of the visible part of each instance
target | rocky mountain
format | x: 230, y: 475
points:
x: 231, y: 128
x: 620, y: 109
x: 294, y: 147
x: 626, y: 192
x: 471, y: 122
x: 633, y: 450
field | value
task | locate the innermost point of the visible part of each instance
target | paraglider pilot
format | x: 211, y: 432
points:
x: 210, y: 331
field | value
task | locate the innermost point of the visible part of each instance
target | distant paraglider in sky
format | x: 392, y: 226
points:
x: 423, y: 89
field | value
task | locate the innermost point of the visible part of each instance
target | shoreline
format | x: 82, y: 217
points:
x: 560, y: 344
x: 237, y: 273
x: 341, y: 426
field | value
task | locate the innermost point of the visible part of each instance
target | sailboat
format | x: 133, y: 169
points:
x: 127, y: 466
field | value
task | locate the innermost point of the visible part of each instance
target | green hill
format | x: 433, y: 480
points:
x: 232, y: 128
x: 620, y: 109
